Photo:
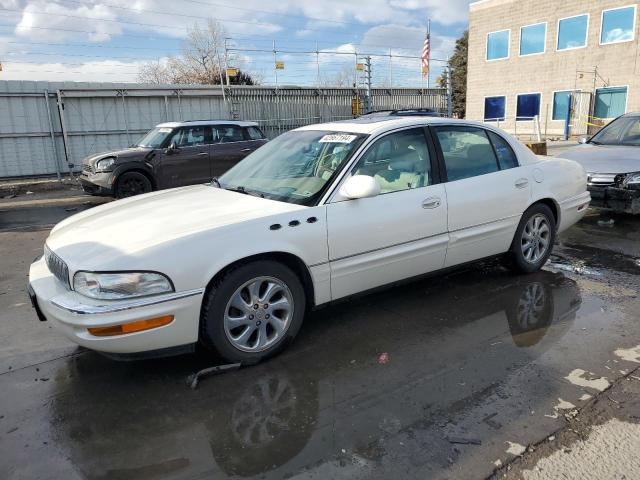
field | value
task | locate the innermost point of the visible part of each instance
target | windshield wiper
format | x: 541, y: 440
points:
x: 216, y: 182
x: 594, y: 142
x: 241, y: 189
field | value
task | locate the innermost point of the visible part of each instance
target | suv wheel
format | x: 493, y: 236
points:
x: 132, y: 183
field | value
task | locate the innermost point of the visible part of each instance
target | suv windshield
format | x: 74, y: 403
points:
x: 622, y: 131
x: 155, y: 137
x: 294, y: 167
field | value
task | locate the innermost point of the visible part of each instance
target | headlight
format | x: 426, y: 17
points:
x: 632, y: 179
x: 104, y: 164
x: 116, y: 286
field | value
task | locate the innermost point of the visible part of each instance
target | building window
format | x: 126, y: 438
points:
x: 498, y: 45
x: 618, y: 25
x: 560, y: 105
x: 532, y: 39
x: 494, y: 108
x: 528, y: 106
x: 572, y: 32
x: 610, y: 102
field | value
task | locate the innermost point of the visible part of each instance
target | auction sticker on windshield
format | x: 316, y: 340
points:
x: 338, y: 138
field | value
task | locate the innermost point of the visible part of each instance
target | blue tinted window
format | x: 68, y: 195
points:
x: 532, y: 39
x: 498, y: 45
x: 617, y: 25
x: 572, y: 32
x: 610, y: 102
x: 528, y: 106
x: 506, y: 157
x: 560, y: 105
x: 494, y: 108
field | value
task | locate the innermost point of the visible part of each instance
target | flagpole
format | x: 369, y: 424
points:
x: 429, y: 37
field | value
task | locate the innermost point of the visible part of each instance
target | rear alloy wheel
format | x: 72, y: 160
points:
x: 132, y: 183
x: 534, y: 238
x: 253, y: 311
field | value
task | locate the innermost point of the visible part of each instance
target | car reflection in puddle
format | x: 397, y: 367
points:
x: 449, y: 339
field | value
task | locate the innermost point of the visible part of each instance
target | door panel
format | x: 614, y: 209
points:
x: 228, y: 148
x: 398, y: 234
x: 379, y: 240
x: 484, y: 203
x: 189, y: 163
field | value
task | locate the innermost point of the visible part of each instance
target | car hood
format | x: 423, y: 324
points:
x: 126, y: 153
x: 605, y: 158
x: 128, y: 227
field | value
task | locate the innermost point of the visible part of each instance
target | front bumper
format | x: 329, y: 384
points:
x: 97, y: 183
x: 621, y: 200
x: 72, y: 314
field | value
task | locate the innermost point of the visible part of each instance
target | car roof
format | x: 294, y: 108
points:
x: 189, y: 123
x: 370, y: 124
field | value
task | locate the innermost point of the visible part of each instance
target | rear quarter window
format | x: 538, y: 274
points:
x: 254, y: 133
x: 504, y: 152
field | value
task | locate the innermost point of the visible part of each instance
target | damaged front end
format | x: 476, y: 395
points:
x: 622, y: 195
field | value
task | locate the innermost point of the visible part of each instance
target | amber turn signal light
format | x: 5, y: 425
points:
x: 132, y: 327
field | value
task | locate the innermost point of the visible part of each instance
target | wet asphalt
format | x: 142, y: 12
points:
x: 439, y: 378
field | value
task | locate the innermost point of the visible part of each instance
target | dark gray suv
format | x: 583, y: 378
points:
x: 171, y: 155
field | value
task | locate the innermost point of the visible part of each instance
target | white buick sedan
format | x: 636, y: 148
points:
x: 320, y: 213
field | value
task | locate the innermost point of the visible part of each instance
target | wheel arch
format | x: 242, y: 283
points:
x: 134, y: 168
x: 295, y: 263
x: 553, y: 206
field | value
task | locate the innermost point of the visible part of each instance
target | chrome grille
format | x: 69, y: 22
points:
x: 601, y: 179
x: 57, y: 266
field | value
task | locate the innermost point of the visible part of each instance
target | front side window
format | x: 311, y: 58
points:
x: 189, y: 136
x: 572, y: 32
x: 295, y: 167
x: 610, y: 102
x: 467, y: 152
x: 561, y: 105
x: 156, y: 138
x: 398, y: 161
x: 622, y: 131
x: 618, y: 25
x: 494, y: 108
x: 498, y: 45
x: 532, y: 39
x: 527, y: 106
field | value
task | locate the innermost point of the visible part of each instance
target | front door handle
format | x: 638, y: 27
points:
x: 522, y: 182
x: 431, y: 202
x: 203, y: 153
x: 246, y: 149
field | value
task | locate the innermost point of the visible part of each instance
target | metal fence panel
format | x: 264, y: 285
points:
x: 87, y: 118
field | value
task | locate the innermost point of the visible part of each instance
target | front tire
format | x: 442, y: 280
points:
x: 132, y: 183
x: 252, y: 312
x: 534, y: 238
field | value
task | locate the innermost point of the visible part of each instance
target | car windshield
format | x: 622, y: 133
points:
x: 622, y: 131
x: 155, y: 137
x: 295, y: 167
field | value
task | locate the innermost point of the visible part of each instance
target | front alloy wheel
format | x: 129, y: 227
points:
x: 258, y: 314
x: 252, y: 311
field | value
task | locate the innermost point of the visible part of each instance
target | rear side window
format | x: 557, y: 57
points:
x: 467, y: 152
x: 254, y: 133
x: 227, y: 134
x: 506, y: 157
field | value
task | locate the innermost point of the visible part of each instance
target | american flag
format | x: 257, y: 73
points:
x: 426, y: 51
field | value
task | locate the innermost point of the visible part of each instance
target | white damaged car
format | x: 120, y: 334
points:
x: 320, y: 213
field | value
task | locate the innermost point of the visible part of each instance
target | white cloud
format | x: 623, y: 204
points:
x: 445, y: 12
x: 101, y: 71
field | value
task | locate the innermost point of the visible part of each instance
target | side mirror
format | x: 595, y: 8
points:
x: 582, y: 140
x: 172, y: 148
x: 360, y: 186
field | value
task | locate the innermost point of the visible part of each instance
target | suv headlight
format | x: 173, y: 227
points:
x: 632, y: 179
x: 105, y: 164
x: 117, y: 286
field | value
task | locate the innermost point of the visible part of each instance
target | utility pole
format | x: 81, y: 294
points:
x: 226, y: 61
x: 368, y: 103
x: 449, y: 90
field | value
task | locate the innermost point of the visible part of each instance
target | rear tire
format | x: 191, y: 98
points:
x: 132, y: 183
x: 252, y: 312
x: 534, y: 238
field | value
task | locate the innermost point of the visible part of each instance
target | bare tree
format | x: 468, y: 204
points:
x: 342, y: 78
x: 200, y: 62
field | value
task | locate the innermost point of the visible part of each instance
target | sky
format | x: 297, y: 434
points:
x: 84, y: 40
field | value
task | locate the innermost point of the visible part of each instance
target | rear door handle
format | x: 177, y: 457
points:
x: 246, y: 149
x: 203, y: 153
x: 431, y: 202
x: 522, y: 182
